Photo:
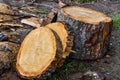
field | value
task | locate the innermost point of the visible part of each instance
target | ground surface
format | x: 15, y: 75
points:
x: 108, y: 68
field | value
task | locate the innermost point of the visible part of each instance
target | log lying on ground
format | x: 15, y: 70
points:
x: 36, y: 53
x: 65, y: 36
x: 66, y: 39
x: 91, y: 31
x: 41, y: 52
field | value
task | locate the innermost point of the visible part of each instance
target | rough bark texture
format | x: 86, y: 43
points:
x: 91, y: 41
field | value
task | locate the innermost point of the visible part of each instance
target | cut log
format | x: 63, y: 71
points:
x: 43, y: 50
x: 36, y: 53
x: 65, y: 36
x: 91, y: 31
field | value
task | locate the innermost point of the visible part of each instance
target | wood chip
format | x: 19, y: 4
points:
x: 35, y: 22
x: 107, y: 56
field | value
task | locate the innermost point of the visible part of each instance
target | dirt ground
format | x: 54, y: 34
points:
x: 108, y: 68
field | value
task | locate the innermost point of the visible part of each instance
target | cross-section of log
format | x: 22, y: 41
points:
x: 91, y: 31
x: 36, y: 53
x: 65, y: 36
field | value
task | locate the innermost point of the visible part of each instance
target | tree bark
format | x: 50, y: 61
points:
x: 91, y: 31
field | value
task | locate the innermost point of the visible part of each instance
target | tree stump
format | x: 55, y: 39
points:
x: 91, y: 31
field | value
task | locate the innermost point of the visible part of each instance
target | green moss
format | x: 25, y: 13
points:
x: 105, y: 69
x: 44, y: 11
x: 83, y: 67
x: 116, y: 20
